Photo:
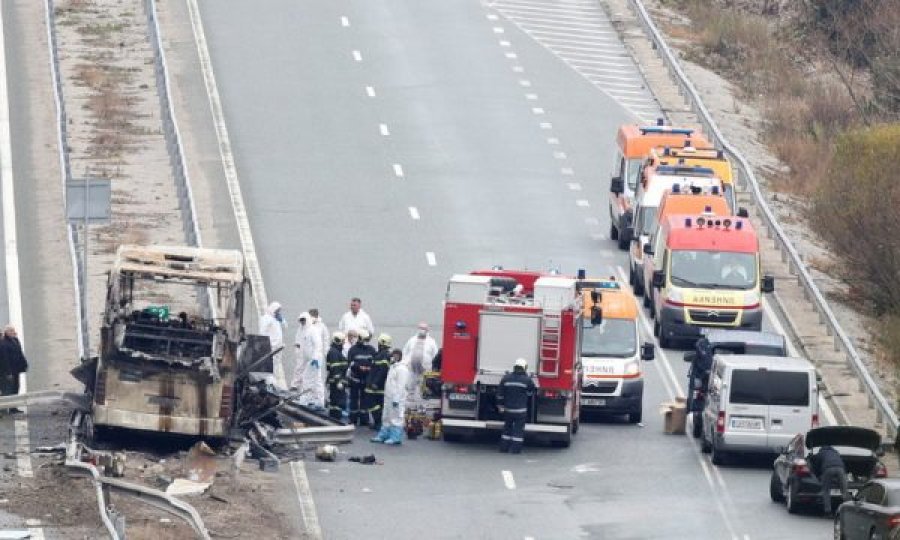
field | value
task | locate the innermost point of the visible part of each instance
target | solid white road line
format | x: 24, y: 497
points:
x: 357, y: 56
x: 304, y: 496
x: 301, y: 482
x: 345, y: 21
x: 508, y: 479
x: 11, y: 253
x: 370, y: 91
x: 430, y: 258
x: 398, y: 170
x: 384, y: 129
x: 413, y: 212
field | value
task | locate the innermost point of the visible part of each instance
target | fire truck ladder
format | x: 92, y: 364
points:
x: 551, y: 328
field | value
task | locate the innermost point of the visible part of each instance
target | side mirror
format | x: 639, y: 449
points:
x: 617, y: 185
x: 648, y: 351
x: 627, y: 234
x: 768, y: 283
x: 690, y: 356
x: 742, y: 212
x: 595, y: 297
x: 648, y: 249
x: 596, y: 316
x: 659, y: 279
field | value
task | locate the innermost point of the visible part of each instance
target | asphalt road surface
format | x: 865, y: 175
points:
x: 384, y: 146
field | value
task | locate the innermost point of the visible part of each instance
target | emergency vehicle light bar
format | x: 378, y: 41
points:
x: 666, y: 129
x: 696, y: 169
x: 708, y: 221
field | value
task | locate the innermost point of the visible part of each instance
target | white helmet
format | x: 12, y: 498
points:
x: 522, y: 363
x: 363, y: 334
x: 337, y: 337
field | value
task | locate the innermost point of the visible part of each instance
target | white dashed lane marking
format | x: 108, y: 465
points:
x: 511, y: 55
x: 384, y: 129
x: 345, y: 21
x: 498, y: 29
x: 559, y: 155
x: 508, y: 479
x: 567, y: 171
x: 537, y: 110
x: 525, y: 82
x: 413, y: 212
x: 518, y: 69
x: 432, y: 260
x: 546, y: 125
x: 531, y: 97
x: 398, y: 170
x: 582, y: 203
x: 574, y: 186
x: 504, y: 43
x: 357, y: 56
x: 552, y: 141
x: 370, y: 91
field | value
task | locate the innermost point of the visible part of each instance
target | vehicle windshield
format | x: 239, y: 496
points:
x: 713, y: 269
x: 633, y: 173
x: 646, y: 220
x: 612, y: 337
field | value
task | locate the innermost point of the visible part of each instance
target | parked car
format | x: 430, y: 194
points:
x: 716, y: 341
x: 873, y: 513
x: 793, y: 479
x: 755, y: 404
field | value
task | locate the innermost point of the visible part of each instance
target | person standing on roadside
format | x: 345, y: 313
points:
x: 318, y: 325
x: 381, y: 363
x: 420, y: 350
x: 271, y: 324
x: 360, y: 358
x: 356, y: 318
x: 336, y: 363
x: 310, y: 364
x: 513, y: 394
x: 12, y: 363
x: 396, y: 391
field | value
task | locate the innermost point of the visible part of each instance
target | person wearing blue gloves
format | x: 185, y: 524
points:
x: 396, y: 390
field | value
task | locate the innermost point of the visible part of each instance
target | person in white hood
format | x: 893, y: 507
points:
x: 308, y: 371
x: 420, y: 350
x: 396, y: 390
x: 271, y: 324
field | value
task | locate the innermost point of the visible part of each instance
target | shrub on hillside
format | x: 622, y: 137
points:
x: 856, y: 208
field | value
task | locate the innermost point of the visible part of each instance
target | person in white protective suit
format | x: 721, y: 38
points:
x: 317, y: 324
x: 309, y: 369
x: 396, y: 391
x: 420, y: 350
x: 271, y: 324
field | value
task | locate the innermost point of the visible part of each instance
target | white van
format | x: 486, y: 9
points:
x: 757, y: 404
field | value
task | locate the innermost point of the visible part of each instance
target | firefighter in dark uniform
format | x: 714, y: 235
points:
x: 381, y: 364
x: 512, y: 395
x: 336, y: 366
x: 360, y: 358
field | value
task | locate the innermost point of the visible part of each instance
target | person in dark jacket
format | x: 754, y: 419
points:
x: 360, y: 358
x: 381, y: 364
x: 336, y: 366
x: 513, y: 394
x: 829, y: 467
x: 12, y: 363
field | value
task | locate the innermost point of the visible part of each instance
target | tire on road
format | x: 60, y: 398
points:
x: 718, y: 457
x: 793, y: 506
x: 776, y: 489
x: 697, y: 425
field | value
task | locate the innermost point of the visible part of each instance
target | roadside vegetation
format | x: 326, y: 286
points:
x: 826, y: 75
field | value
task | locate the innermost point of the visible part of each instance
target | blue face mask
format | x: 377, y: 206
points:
x: 278, y: 316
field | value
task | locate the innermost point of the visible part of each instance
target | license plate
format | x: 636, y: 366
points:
x: 593, y: 401
x: 461, y: 397
x: 747, y: 423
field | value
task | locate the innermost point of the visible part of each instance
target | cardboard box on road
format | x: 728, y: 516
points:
x: 674, y: 416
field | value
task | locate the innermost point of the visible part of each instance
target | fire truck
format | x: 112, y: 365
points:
x: 493, y: 317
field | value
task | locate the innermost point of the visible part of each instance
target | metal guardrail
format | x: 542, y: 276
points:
x: 884, y: 412
x: 65, y: 169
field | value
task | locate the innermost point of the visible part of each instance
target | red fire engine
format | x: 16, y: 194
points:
x: 493, y: 317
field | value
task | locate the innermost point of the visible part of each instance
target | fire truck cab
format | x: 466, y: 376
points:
x: 493, y: 317
x: 611, y: 354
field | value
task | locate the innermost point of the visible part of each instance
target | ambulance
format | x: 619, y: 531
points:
x: 691, y: 156
x: 612, y: 357
x: 706, y: 273
x: 708, y: 202
x: 688, y: 179
x: 633, y: 143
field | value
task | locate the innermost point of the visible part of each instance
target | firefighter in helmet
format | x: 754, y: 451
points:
x: 360, y: 357
x: 374, y: 397
x: 336, y: 365
x: 512, y: 397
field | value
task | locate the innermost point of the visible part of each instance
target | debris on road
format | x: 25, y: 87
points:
x: 365, y: 460
x: 182, y: 486
x: 326, y: 452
